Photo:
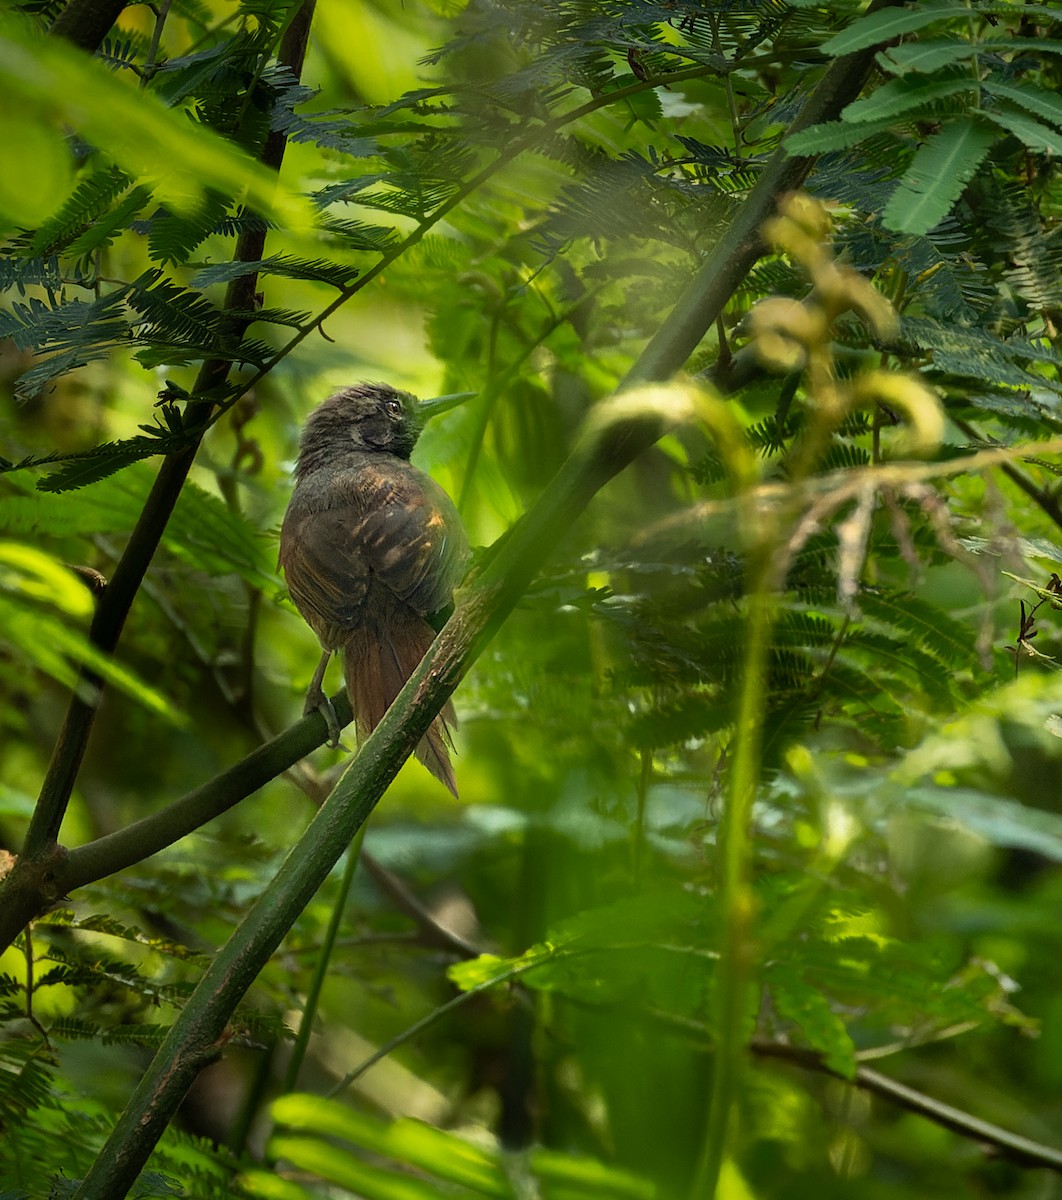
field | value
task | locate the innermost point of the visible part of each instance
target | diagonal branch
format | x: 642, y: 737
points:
x: 38, y: 870
x: 35, y: 883
x: 1013, y: 1146
x: 1046, y: 500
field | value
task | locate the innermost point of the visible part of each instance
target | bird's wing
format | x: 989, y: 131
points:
x: 409, y: 535
x: 327, y: 581
x: 383, y: 525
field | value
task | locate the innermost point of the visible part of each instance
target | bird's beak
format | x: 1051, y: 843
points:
x: 440, y: 404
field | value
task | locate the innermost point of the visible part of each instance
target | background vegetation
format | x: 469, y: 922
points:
x: 752, y: 887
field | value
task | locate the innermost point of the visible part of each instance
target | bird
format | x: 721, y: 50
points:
x: 372, y: 549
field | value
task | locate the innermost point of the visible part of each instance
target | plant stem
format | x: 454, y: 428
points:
x: 733, y: 257
x: 736, y: 899
x: 1012, y: 1146
x: 320, y: 971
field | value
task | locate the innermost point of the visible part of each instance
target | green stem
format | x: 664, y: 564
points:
x: 60, y: 872
x: 645, y: 774
x: 34, y: 878
x: 484, y: 603
x: 736, y: 899
x: 320, y: 972
x: 498, y: 385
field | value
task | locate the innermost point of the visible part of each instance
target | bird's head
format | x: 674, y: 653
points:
x: 365, y: 416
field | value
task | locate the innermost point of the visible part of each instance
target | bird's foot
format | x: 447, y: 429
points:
x: 317, y: 701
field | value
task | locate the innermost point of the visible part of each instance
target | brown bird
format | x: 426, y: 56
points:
x: 372, y: 549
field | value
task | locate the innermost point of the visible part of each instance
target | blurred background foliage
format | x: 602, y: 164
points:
x: 535, y: 230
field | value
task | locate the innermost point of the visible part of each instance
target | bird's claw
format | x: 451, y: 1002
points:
x: 317, y: 701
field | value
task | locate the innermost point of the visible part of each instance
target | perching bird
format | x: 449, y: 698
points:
x: 372, y: 549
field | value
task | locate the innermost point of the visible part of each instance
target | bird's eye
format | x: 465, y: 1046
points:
x: 394, y: 408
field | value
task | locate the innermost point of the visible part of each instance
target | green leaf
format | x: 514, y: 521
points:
x: 926, y: 56
x: 32, y: 587
x: 272, y: 1187
x: 900, y: 96
x: 810, y: 1011
x: 488, y: 969
x: 834, y: 135
x: 37, y: 578
x: 886, y: 24
x: 408, y: 1142
x: 447, y: 1158
x: 203, y: 530
x: 999, y: 821
x: 934, y: 629
x: 36, y: 174
x: 1036, y: 136
x: 180, y: 160
x: 932, y: 55
x: 340, y: 1166
x: 104, y: 230
x: 213, y: 538
x: 80, y: 470
x: 937, y: 176
x: 1028, y: 97
x: 319, y: 270
x: 576, y: 1178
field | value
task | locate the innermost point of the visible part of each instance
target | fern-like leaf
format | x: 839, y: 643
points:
x: 92, y: 197
x: 937, y: 175
x: 834, y: 135
x: 1027, y: 97
x: 901, y: 97
x: 320, y: 270
x: 883, y: 26
x: 1037, y: 136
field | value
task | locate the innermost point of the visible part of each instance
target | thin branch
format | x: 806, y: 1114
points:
x: 1047, y: 502
x: 1008, y: 1145
x: 320, y: 971
x: 698, y: 308
x: 484, y: 603
x: 37, y: 865
x: 403, y: 898
x: 1012, y: 1146
x: 55, y: 873
x: 38, y: 860
x: 134, y: 843
x: 150, y: 66
x: 61, y: 871
x: 836, y: 488
x: 734, y: 256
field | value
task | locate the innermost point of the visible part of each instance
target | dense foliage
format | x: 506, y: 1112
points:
x: 759, y: 810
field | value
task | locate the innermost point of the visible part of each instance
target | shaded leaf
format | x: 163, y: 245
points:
x: 937, y: 176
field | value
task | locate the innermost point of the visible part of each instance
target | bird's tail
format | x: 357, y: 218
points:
x: 377, y: 662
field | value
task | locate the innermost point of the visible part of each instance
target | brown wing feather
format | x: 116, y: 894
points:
x: 410, y: 535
